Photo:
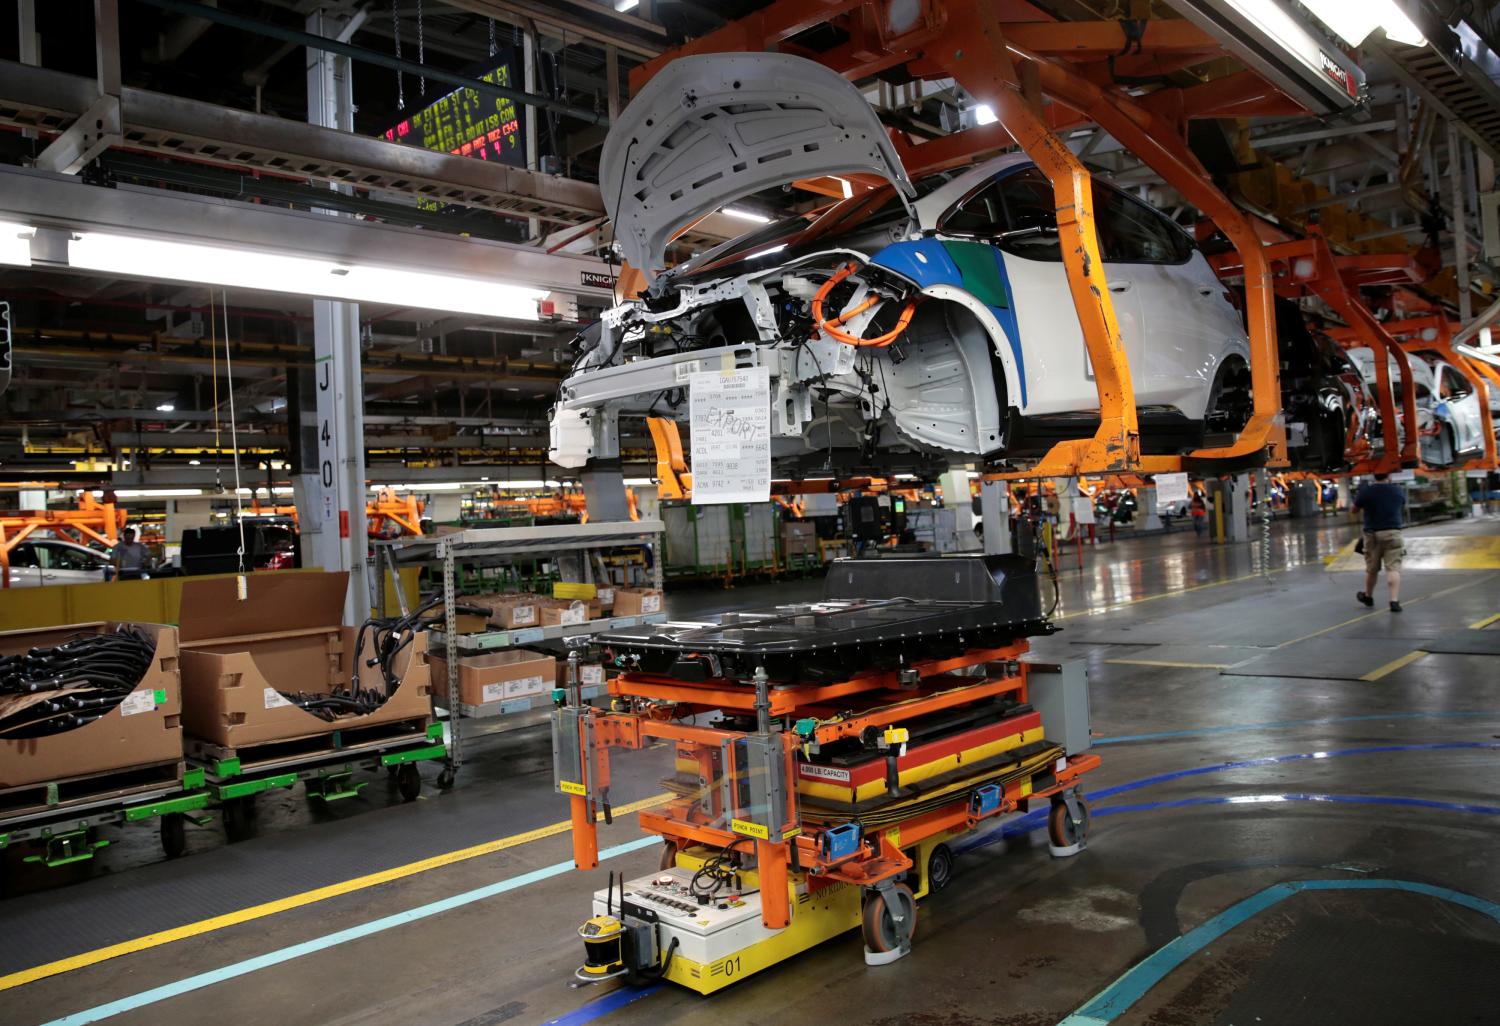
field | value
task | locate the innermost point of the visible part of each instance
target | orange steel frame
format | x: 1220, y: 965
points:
x: 1309, y: 267
x: 91, y: 521
x: 1010, y: 67
x: 680, y: 823
x: 1409, y: 335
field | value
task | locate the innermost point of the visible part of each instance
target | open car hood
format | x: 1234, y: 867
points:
x: 709, y: 130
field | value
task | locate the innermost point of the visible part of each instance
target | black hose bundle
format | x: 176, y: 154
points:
x: 73, y: 683
x: 390, y: 636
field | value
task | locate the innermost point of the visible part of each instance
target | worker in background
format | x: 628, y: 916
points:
x: 1199, y: 511
x: 129, y: 556
x: 1384, y: 507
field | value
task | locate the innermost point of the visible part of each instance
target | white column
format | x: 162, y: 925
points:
x: 337, y: 505
x: 1147, y: 518
x: 185, y: 513
x: 994, y: 510
x: 1237, y: 516
x: 955, y: 484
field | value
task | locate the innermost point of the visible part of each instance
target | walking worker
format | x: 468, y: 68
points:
x: 1384, y: 507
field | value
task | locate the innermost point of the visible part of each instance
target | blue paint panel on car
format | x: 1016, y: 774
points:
x: 926, y: 262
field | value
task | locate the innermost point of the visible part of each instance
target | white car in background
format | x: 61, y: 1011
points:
x: 38, y: 562
x: 1448, y: 414
x: 992, y: 362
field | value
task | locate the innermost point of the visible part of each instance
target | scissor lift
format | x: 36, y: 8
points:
x: 854, y: 739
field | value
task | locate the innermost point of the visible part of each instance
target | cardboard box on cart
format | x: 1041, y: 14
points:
x: 145, y: 729
x: 285, y: 635
x: 495, y: 676
x: 509, y: 610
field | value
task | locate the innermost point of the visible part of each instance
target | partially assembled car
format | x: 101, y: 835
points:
x: 931, y: 317
x: 1331, y: 415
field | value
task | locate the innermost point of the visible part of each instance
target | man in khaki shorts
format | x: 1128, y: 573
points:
x: 1384, y: 507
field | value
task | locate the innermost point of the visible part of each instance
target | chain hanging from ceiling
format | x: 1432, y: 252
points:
x: 400, y: 79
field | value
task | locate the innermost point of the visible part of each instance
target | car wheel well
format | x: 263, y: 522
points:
x: 1231, y: 398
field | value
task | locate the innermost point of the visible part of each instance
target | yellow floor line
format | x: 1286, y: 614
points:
x: 1384, y: 612
x: 1482, y: 624
x: 1394, y: 665
x: 1163, y: 662
x: 245, y: 915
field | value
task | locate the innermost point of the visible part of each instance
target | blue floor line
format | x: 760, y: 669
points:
x: 1136, y: 982
x: 296, y: 951
x: 1165, y: 735
x: 613, y: 1001
x: 1030, y: 821
x: 1022, y: 824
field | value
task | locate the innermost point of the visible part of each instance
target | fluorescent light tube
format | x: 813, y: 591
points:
x: 746, y: 215
x: 984, y: 114
x: 15, y: 243
x: 303, y: 276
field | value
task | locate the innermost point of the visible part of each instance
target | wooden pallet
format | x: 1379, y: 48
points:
x: 339, y: 741
x: 29, y: 800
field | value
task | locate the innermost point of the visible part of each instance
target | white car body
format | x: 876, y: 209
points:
x: 1460, y: 407
x: 38, y: 562
x: 970, y: 377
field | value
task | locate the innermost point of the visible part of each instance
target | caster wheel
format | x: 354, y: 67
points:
x: 445, y: 778
x: 391, y: 771
x: 174, y: 834
x: 237, y: 814
x: 408, y: 781
x: 939, y: 868
x: 668, y: 855
x: 1061, y: 830
x: 881, y: 930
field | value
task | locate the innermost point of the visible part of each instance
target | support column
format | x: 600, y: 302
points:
x: 1345, y: 497
x: 1460, y: 222
x: 955, y: 484
x: 994, y: 512
x: 337, y: 484
x: 1149, y: 517
x: 30, y: 43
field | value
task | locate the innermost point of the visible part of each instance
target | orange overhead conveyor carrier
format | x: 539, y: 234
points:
x: 1009, y: 56
x: 1433, y: 333
x: 92, y: 521
x: 1303, y: 267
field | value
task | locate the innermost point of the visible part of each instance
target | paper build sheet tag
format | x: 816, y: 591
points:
x: 275, y: 700
x: 1171, y: 488
x: 730, y: 420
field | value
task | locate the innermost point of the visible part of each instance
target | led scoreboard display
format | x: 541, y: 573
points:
x: 468, y: 124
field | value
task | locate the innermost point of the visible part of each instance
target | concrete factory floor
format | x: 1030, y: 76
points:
x: 1255, y: 730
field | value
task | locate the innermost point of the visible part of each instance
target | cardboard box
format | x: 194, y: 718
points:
x: 637, y: 601
x: 143, y: 730
x: 559, y: 612
x: 507, y: 609
x: 285, y: 635
x: 496, y: 676
x: 606, y: 598
x: 799, y: 539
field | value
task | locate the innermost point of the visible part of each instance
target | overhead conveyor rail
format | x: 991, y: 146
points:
x: 969, y: 43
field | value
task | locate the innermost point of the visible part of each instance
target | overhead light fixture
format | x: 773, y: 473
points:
x: 1285, y: 48
x: 627, y: 5
x: 165, y: 407
x: 15, y: 243
x: 984, y: 114
x: 1354, y: 20
x: 195, y: 463
x: 746, y: 215
x: 303, y: 276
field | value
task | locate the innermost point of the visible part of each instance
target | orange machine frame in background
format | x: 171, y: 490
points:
x: 1409, y: 336
x: 92, y: 520
x: 1309, y: 267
